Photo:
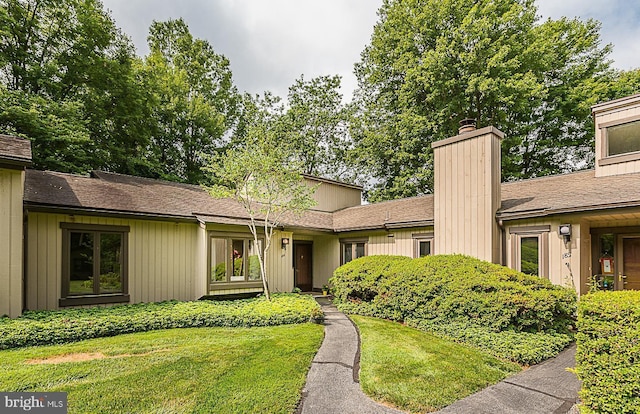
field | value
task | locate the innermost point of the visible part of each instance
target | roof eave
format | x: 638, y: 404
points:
x: 74, y: 210
x: 567, y: 210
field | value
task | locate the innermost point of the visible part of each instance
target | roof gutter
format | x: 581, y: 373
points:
x: 42, y: 208
x: 568, y: 210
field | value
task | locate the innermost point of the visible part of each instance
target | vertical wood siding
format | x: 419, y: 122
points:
x: 467, y: 196
x: 11, y: 245
x: 579, y: 249
x: 326, y: 258
x: 162, y: 258
x: 280, y: 263
x: 332, y: 197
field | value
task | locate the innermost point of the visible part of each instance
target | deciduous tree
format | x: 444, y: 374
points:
x: 432, y: 63
x: 258, y: 173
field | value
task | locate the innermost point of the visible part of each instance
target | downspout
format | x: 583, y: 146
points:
x: 503, y: 243
x: 25, y: 244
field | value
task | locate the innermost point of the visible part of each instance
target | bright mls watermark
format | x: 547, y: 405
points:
x: 33, y: 402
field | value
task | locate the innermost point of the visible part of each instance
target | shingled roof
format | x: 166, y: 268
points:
x: 566, y: 193
x: 15, y: 151
x: 104, y: 192
x: 122, y: 194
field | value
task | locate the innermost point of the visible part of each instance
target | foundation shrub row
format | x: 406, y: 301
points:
x: 608, y: 352
x: 510, y: 314
x: 57, y: 327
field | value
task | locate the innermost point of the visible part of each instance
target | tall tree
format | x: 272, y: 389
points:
x: 67, y: 58
x: 194, y: 100
x: 316, y: 127
x: 432, y: 63
x: 258, y: 172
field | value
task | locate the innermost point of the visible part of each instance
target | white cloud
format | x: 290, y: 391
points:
x: 271, y: 43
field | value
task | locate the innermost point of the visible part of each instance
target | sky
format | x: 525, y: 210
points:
x: 270, y: 43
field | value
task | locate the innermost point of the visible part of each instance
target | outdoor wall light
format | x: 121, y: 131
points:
x: 564, y: 230
x: 285, y: 242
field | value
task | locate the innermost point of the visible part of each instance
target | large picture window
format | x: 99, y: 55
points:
x: 94, y: 265
x: 352, y: 249
x: 530, y: 251
x: 234, y: 259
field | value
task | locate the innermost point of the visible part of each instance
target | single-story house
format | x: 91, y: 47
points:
x: 72, y: 240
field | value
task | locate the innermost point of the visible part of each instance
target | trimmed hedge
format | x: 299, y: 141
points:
x: 512, y: 315
x: 446, y: 288
x: 57, y: 327
x: 608, y: 352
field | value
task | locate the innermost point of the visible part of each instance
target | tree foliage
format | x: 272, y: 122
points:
x: 432, y: 63
x: 316, y: 126
x: 194, y: 102
x: 259, y: 174
x: 68, y: 74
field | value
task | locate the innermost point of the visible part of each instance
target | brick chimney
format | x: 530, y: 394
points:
x: 467, y: 192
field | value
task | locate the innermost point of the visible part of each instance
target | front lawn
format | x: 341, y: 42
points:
x: 419, y: 372
x: 203, y: 370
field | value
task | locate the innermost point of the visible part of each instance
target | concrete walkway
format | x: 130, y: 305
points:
x: 546, y: 388
x: 332, y: 383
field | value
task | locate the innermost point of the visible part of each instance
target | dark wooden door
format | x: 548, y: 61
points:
x: 302, y: 266
x: 631, y: 263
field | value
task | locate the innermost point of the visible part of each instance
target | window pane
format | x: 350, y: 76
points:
x: 110, y: 263
x: 218, y: 260
x: 81, y: 264
x: 254, y: 263
x: 425, y: 248
x: 359, y: 250
x: 238, y: 260
x: 623, y: 138
x: 347, y: 252
x: 529, y: 255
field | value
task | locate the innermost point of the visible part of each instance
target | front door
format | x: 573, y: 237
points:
x: 302, y: 266
x: 629, y: 277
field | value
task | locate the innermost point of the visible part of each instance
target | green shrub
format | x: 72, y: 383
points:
x: 522, y: 347
x: 608, y: 352
x: 57, y: 327
x: 448, y: 288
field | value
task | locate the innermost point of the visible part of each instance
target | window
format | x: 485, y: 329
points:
x: 620, y: 141
x: 422, y: 244
x: 623, y: 138
x: 94, y: 264
x: 352, y: 249
x: 530, y: 252
x: 234, y: 259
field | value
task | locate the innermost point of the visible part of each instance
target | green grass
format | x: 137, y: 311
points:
x: 195, y: 370
x: 419, y: 372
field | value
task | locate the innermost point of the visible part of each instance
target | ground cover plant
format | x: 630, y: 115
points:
x: 419, y: 372
x: 195, y: 370
x: 516, y: 316
x: 57, y: 327
x: 608, y: 350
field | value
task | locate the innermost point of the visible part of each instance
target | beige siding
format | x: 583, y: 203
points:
x: 331, y: 197
x: 613, y: 115
x: 326, y: 258
x: 162, y: 258
x: 11, y: 243
x: 280, y: 263
x: 567, y: 264
x: 467, y: 195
